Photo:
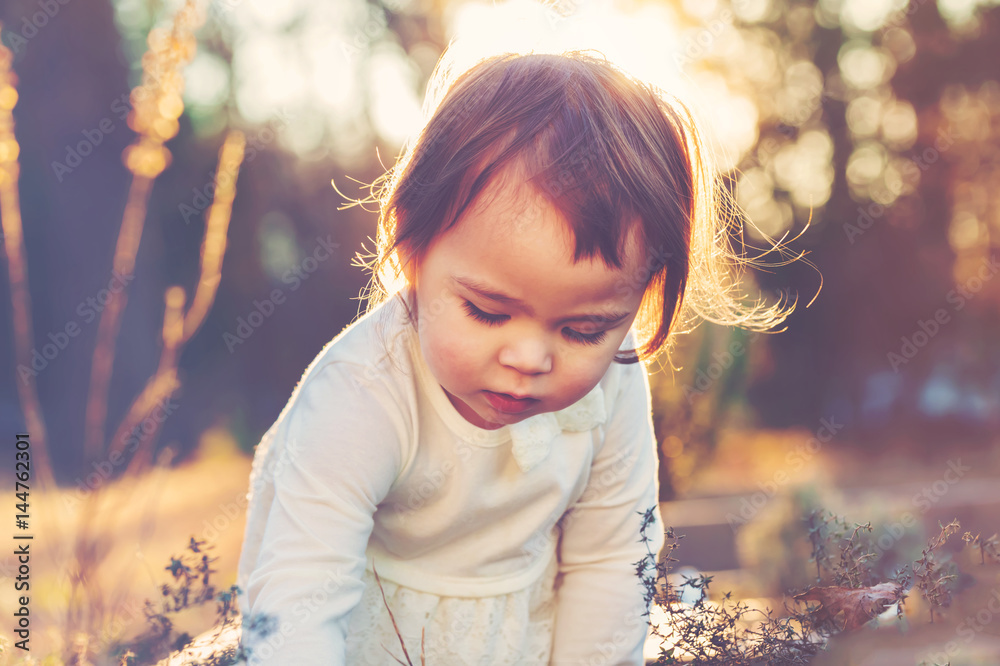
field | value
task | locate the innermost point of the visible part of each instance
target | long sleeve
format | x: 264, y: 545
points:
x: 329, y: 464
x: 601, y: 602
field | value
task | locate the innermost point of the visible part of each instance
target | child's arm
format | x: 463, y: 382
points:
x: 601, y: 600
x: 338, y: 458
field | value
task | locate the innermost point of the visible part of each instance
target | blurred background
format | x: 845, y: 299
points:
x: 867, y: 130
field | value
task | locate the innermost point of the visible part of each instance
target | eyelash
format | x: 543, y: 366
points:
x: 485, y: 317
x: 586, y: 338
x: 496, y: 320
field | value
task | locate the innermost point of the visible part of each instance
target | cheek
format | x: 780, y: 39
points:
x: 583, y: 375
x: 451, y: 347
x: 446, y: 358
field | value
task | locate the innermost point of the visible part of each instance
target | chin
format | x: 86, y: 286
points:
x: 511, y: 419
x: 493, y: 421
x: 497, y: 419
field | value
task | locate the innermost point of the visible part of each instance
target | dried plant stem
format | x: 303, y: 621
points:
x: 10, y: 218
x: 178, y: 327
x: 157, y: 106
x: 86, y: 558
x: 129, y: 236
x: 161, y: 386
x: 216, y: 228
x: 90, y: 605
x: 163, y: 383
x: 392, y: 618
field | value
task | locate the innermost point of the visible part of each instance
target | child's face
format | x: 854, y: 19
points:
x: 538, y: 344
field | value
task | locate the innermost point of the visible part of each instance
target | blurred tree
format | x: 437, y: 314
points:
x: 851, y: 106
x: 885, y: 240
x: 71, y: 127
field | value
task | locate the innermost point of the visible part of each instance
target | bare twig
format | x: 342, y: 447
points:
x: 157, y: 106
x: 177, y: 326
x: 402, y: 644
x: 214, y: 246
x: 17, y: 267
x: 107, y: 328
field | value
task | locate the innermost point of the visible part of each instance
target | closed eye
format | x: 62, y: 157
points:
x: 585, y: 338
x: 485, y: 317
x: 491, y: 319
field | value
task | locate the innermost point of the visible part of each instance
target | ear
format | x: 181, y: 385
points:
x: 409, y: 266
x: 410, y: 273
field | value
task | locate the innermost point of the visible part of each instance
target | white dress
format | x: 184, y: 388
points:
x: 514, y: 628
x: 508, y: 546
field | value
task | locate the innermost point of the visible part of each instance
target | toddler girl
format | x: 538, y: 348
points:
x: 482, y: 439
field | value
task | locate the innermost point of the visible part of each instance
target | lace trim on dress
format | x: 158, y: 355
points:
x: 514, y: 628
x: 532, y: 438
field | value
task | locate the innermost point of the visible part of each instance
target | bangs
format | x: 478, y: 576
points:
x: 617, y: 158
x: 577, y: 133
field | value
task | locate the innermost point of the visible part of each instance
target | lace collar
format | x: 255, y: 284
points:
x: 531, y: 439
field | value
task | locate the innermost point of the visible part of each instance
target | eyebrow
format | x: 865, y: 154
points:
x: 484, y: 291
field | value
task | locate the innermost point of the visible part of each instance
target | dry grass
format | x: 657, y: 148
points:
x: 99, y: 546
x: 150, y: 519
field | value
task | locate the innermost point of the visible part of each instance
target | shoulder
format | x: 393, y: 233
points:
x: 374, y: 347
x: 360, y: 387
x: 369, y: 360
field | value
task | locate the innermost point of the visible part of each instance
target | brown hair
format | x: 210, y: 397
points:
x: 609, y: 152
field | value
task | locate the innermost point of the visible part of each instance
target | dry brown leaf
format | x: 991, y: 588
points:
x: 858, y: 605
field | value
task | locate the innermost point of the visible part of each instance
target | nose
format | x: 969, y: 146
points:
x: 528, y: 355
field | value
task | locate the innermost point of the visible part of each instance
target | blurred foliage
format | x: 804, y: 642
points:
x: 869, y: 129
x: 877, y: 125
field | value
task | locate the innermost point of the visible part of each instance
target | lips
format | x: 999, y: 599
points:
x: 508, y: 404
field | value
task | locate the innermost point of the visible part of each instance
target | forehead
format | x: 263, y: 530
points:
x: 511, y: 206
x: 513, y: 237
